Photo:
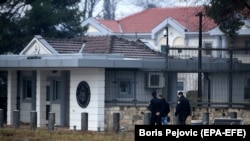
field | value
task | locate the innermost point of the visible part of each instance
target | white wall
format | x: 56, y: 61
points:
x: 95, y: 77
x: 92, y: 29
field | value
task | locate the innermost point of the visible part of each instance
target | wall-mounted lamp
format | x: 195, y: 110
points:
x: 165, y: 34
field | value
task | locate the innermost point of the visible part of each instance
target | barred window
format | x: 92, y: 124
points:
x: 125, y: 89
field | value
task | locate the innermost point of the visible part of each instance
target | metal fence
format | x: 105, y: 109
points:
x: 217, y: 78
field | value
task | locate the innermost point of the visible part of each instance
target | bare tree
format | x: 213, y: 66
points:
x: 148, y: 3
x: 88, y: 7
x: 166, y: 3
x: 109, y: 8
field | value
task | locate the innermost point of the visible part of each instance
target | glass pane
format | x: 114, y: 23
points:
x: 56, y: 90
x: 154, y: 80
x: 48, y: 93
x: 124, y: 87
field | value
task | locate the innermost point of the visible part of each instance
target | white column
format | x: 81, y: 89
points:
x: 41, y: 99
x: 12, y: 95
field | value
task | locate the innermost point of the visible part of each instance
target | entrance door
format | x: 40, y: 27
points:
x: 57, y: 98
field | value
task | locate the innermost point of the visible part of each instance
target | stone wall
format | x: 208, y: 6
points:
x: 132, y: 115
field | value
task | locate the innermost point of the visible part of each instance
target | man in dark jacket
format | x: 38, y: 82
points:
x: 183, y: 109
x: 154, y: 107
x: 165, y: 109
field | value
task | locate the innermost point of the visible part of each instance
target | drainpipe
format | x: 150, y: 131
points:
x: 165, y: 34
x: 230, y: 87
x: 200, y: 59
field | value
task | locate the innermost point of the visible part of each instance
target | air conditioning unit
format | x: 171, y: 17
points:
x: 155, y: 80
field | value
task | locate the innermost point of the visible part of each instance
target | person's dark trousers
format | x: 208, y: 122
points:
x: 155, y: 120
x: 182, y: 119
x: 158, y: 120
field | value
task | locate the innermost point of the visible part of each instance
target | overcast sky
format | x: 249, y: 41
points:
x: 126, y: 7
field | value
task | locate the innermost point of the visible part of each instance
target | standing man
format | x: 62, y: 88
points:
x: 165, y: 109
x: 183, y: 109
x: 154, y: 107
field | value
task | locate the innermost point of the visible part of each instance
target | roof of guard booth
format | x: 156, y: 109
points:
x: 98, y: 51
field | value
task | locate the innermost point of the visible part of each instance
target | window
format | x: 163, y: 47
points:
x: 56, y: 90
x: 27, y: 88
x: 155, y: 80
x: 125, y: 89
x: 47, y: 93
x: 208, y: 47
x: 164, y: 49
x: 180, y: 86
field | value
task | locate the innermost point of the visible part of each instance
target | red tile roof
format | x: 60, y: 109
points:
x: 104, y: 45
x: 145, y: 21
x: 111, y: 24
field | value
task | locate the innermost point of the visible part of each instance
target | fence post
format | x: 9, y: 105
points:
x: 116, y: 122
x: 33, y: 120
x: 205, y: 119
x: 51, y: 125
x: 84, y: 125
x: 147, y: 118
x: 1, y: 118
x: 232, y: 114
x: 16, y: 120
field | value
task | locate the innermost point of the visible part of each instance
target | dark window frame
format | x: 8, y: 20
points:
x: 27, y: 87
x: 125, y: 89
x: 56, y: 89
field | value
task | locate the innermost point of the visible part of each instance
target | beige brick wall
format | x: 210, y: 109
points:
x: 131, y: 115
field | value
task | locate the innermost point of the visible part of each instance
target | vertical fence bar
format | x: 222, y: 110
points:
x: 230, y: 76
